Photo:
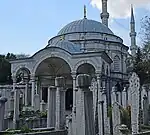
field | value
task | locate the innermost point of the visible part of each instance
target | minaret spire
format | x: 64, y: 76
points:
x: 84, y: 11
x: 104, y: 14
x: 133, y: 46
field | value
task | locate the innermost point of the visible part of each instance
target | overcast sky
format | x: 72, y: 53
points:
x: 27, y: 25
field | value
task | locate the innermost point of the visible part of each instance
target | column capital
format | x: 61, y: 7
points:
x: 59, y: 81
x: 32, y: 76
x: 84, y: 81
x: 74, y: 75
x: 52, y: 88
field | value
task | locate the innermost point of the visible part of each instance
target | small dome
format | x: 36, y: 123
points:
x: 85, y: 25
x: 68, y: 46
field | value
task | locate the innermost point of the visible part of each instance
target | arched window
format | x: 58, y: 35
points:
x: 116, y: 63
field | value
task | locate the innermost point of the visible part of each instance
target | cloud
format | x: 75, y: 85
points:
x: 121, y: 8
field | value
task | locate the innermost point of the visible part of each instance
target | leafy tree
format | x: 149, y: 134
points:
x: 142, y: 67
x: 145, y: 35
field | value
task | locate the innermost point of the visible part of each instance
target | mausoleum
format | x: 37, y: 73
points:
x: 84, y: 46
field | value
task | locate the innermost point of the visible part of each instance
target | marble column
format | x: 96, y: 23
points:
x: 51, y: 119
x: 74, y: 104
x: 16, y: 104
x: 3, y: 100
x: 106, y: 118
x: 85, y: 114
x: 124, y: 98
x: 100, y: 124
x: 119, y: 97
x: 60, y: 102
x: 26, y: 95
x: 33, y: 90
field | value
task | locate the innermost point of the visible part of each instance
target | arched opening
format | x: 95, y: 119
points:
x: 23, y: 75
x: 86, y: 69
x: 46, y: 73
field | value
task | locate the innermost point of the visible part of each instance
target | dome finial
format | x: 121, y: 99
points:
x: 84, y: 11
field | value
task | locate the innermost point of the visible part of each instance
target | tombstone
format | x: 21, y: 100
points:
x: 16, y: 107
x: 3, y: 100
x: 94, y: 89
x: 42, y: 106
x: 60, y: 102
x: 143, y: 94
x: 69, y: 125
x: 85, y: 114
x: 145, y: 110
x: 115, y: 112
x: 135, y: 94
x: 124, y: 130
x: 51, y: 116
x: 36, y: 102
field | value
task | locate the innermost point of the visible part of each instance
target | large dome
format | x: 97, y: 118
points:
x: 85, y: 25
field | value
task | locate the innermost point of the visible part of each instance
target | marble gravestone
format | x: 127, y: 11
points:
x: 135, y: 94
x: 85, y: 115
x: 3, y: 100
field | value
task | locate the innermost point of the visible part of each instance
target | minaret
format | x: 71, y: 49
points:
x: 133, y: 46
x: 104, y: 14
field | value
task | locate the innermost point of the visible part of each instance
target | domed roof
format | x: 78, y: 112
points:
x: 85, y: 25
x: 68, y: 46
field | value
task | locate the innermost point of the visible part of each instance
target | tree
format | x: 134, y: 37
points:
x: 141, y: 67
x: 145, y: 36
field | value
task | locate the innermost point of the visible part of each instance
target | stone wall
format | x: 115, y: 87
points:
x: 63, y: 132
x: 144, y: 133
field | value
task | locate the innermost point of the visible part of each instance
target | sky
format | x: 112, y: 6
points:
x: 27, y: 25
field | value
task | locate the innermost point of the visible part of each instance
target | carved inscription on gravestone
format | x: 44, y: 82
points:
x: 135, y: 91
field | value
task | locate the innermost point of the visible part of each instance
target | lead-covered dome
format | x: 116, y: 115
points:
x: 84, y: 25
x: 68, y: 46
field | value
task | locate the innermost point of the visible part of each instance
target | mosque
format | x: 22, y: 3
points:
x: 82, y: 46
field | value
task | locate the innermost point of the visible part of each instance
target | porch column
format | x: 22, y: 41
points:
x: 33, y: 89
x: 26, y: 94
x: 100, y: 117
x: 74, y: 104
x: 60, y: 102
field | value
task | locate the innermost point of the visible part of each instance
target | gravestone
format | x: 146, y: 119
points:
x: 85, y: 115
x: 36, y: 102
x: 3, y: 100
x: 51, y: 117
x: 135, y: 94
x: 115, y: 112
x: 94, y: 89
x: 145, y: 110
x: 60, y: 102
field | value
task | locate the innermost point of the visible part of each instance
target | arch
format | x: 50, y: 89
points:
x: 57, y: 53
x: 21, y: 68
x: 22, y: 73
x: 79, y: 63
x: 86, y: 68
x: 117, y: 63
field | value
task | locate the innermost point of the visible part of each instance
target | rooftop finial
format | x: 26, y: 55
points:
x: 85, y: 11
